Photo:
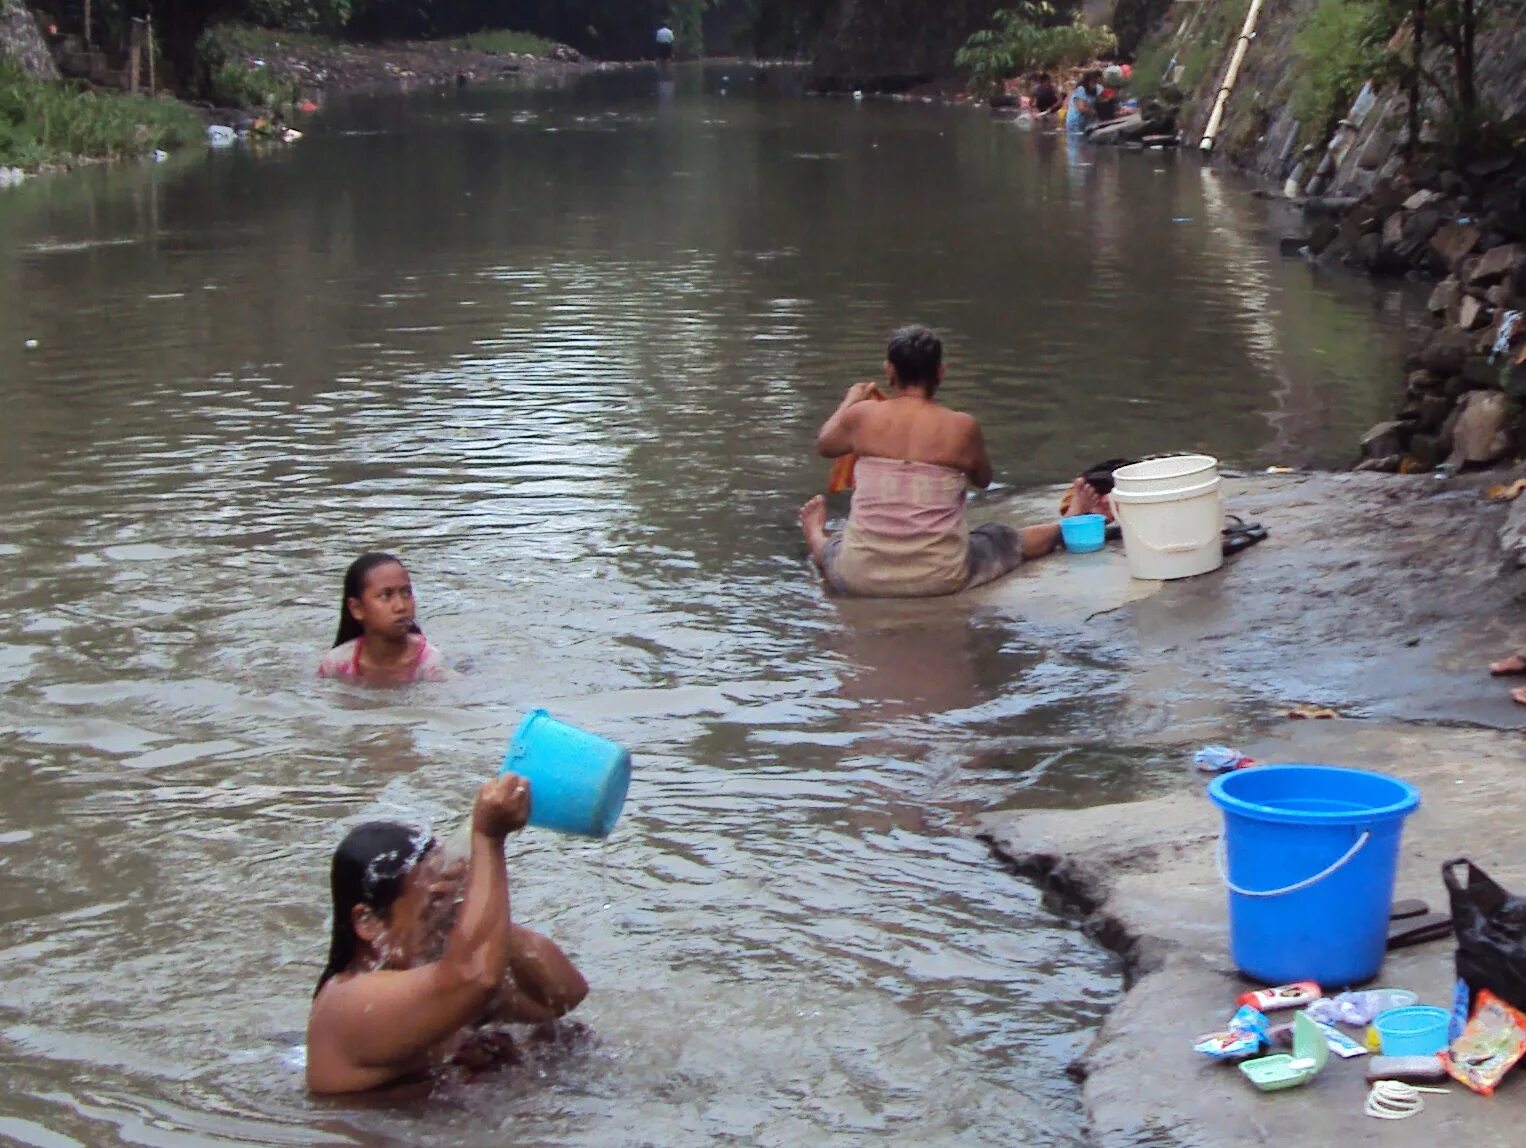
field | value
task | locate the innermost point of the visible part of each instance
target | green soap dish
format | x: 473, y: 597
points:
x: 1310, y: 1052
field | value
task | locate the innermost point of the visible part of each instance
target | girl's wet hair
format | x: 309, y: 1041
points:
x: 354, y: 586
x: 370, y: 868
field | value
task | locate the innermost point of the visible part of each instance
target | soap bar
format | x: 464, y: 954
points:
x: 1406, y: 1068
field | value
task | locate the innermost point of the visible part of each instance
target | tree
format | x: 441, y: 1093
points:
x: 1026, y: 39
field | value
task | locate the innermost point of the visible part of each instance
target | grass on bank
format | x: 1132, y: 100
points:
x: 43, y: 122
x: 502, y: 42
x: 232, y: 81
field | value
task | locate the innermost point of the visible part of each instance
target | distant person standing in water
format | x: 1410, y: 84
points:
x: 1081, y: 113
x: 379, y: 641
x: 664, y: 45
x: 1045, y: 96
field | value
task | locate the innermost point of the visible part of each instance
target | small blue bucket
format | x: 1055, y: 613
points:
x: 578, y: 780
x: 1083, y: 533
x: 1418, y: 1030
x: 1309, y: 854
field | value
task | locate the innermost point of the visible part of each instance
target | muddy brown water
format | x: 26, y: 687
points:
x: 566, y: 350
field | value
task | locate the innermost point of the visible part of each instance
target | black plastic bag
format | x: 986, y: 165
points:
x: 1491, y: 933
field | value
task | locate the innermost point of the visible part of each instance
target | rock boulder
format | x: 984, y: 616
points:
x: 1482, y: 433
x: 21, y: 41
x: 1455, y: 242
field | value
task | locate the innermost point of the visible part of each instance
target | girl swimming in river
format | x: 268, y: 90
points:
x: 379, y: 641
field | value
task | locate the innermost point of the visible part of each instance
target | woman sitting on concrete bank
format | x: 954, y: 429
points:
x: 906, y: 535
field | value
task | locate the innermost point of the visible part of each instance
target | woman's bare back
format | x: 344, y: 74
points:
x: 915, y: 429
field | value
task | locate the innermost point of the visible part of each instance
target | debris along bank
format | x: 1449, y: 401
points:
x: 1368, y: 598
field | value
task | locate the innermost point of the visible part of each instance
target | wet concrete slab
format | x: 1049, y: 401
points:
x: 1146, y: 873
x: 1377, y: 595
x: 1380, y: 598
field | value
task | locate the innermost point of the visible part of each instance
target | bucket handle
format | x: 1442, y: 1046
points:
x: 1176, y: 548
x: 1220, y: 855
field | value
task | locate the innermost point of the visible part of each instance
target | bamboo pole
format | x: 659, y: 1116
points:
x: 1242, y: 45
x: 153, y: 87
x: 87, y: 23
x: 134, y: 55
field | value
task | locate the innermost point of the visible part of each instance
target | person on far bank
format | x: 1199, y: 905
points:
x: 1509, y: 667
x: 379, y: 641
x: 1082, y: 110
x: 906, y: 535
x: 665, y: 45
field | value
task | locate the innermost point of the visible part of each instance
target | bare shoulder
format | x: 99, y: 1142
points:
x: 962, y: 423
x: 337, y: 662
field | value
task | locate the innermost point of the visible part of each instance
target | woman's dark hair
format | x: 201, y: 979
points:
x: 1092, y: 77
x: 1100, y: 475
x: 354, y: 586
x: 370, y: 867
x: 916, y: 354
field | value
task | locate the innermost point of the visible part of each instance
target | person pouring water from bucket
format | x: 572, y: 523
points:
x: 426, y: 962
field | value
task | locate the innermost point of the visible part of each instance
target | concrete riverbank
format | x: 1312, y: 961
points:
x: 1381, y: 599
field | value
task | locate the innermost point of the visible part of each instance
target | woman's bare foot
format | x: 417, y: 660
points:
x: 813, y: 524
x: 1083, y: 499
x: 1519, y: 696
x: 1514, y: 664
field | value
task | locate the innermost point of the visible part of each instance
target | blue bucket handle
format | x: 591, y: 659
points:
x: 1221, y: 856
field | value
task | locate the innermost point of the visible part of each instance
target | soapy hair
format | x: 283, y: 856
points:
x: 370, y: 868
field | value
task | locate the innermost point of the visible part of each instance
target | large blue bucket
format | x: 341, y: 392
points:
x: 578, y: 780
x: 1309, y: 854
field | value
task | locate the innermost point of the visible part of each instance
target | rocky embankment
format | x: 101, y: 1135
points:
x: 317, y: 66
x: 1466, y: 381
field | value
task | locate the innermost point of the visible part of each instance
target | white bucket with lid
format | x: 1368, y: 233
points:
x: 1172, y: 514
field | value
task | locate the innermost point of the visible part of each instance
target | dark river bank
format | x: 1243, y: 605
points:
x: 565, y: 351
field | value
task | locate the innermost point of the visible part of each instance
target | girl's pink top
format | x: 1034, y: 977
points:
x: 343, y: 663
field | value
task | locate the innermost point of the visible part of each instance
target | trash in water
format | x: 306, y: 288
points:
x: 1491, y: 1045
x: 1220, y: 759
x: 1506, y: 333
x: 160, y: 155
x: 221, y: 135
x: 1282, y: 470
x: 1283, y: 996
x: 1182, y: 219
x: 1248, y: 1031
x: 31, y: 344
x: 1314, y: 713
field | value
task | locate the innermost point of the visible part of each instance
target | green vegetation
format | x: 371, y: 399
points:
x: 1343, y: 46
x: 1028, y: 38
x: 503, y: 43
x: 43, y: 123
x: 230, y: 80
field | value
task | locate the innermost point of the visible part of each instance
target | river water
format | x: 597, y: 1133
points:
x: 565, y: 350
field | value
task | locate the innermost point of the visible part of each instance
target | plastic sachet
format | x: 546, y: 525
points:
x: 1248, y: 1032
x: 1491, y: 1045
